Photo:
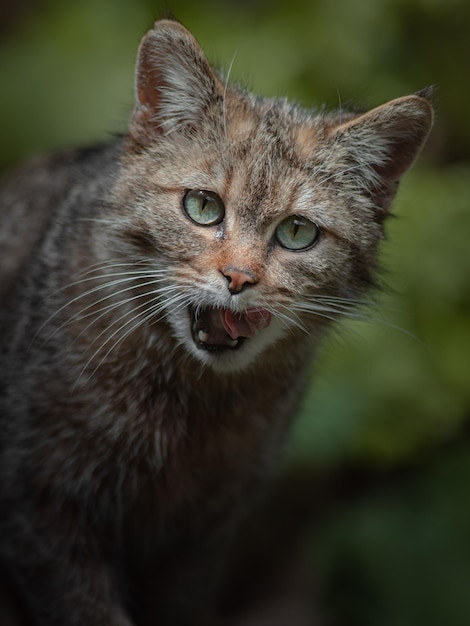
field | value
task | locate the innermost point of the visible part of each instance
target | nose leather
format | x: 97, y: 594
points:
x: 238, y: 279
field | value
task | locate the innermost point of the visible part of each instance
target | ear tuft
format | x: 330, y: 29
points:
x: 428, y: 93
x: 174, y: 83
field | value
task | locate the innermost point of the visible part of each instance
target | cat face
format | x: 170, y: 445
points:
x: 254, y: 220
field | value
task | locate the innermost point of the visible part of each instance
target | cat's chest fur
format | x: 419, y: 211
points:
x: 209, y: 446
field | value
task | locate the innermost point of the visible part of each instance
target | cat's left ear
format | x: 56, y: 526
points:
x: 380, y: 146
x: 174, y: 84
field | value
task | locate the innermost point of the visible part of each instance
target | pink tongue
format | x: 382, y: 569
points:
x: 244, y: 324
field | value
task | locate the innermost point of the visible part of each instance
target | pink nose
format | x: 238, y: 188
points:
x: 238, y: 279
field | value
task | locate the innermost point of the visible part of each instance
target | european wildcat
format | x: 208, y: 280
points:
x: 162, y: 298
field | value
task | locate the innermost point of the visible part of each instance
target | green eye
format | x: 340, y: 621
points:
x: 203, y: 207
x: 297, y: 233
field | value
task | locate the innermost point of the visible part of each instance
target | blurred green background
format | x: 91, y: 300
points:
x: 385, y: 424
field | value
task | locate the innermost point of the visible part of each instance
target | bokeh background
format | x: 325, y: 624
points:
x: 374, y: 499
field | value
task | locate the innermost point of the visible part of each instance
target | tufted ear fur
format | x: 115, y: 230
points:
x: 379, y: 146
x: 174, y: 84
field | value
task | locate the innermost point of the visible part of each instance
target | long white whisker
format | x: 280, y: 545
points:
x: 331, y: 312
x: 288, y: 318
x: 111, y: 264
x: 159, y: 304
x: 320, y: 308
x: 119, y: 292
x: 333, y: 306
x: 129, y: 275
x: 343, y: 300
x: 89, y: 292
x: 157, y: 294
x: 151, y: 312
x: 138, y: 313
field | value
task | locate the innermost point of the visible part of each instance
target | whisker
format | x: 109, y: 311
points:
x: 119, y: 292
x: 333, y: 310
x: 287, y: 318
x: 342, y: 299
x: 130, y: 274
x: 151, y: 312
x: 158, y: 304
x: 336, y: 311
x: 110, y: 264
x: 90, y: 292
x: 104, y: 310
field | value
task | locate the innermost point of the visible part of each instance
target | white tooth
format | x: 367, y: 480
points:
x: 203, y: 336
x: 232, y: 343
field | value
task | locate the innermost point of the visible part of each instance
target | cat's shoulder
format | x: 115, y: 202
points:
x: 32, y: 194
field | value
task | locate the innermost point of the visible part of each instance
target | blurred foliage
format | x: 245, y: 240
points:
x: 386, y: 389
x: 401, y: 557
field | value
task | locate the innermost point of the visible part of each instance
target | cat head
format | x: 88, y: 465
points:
x: 258, y: 219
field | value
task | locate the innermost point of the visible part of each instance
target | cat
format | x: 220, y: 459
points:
x: 163, y: 296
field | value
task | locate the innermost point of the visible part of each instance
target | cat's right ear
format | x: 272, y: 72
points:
x: 174, y: 84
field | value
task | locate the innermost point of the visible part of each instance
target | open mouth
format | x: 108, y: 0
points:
x: 220, y: 329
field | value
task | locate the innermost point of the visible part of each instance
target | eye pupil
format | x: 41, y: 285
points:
x: 204, y: 208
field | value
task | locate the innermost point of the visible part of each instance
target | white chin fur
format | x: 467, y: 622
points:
x: 228, y: 360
